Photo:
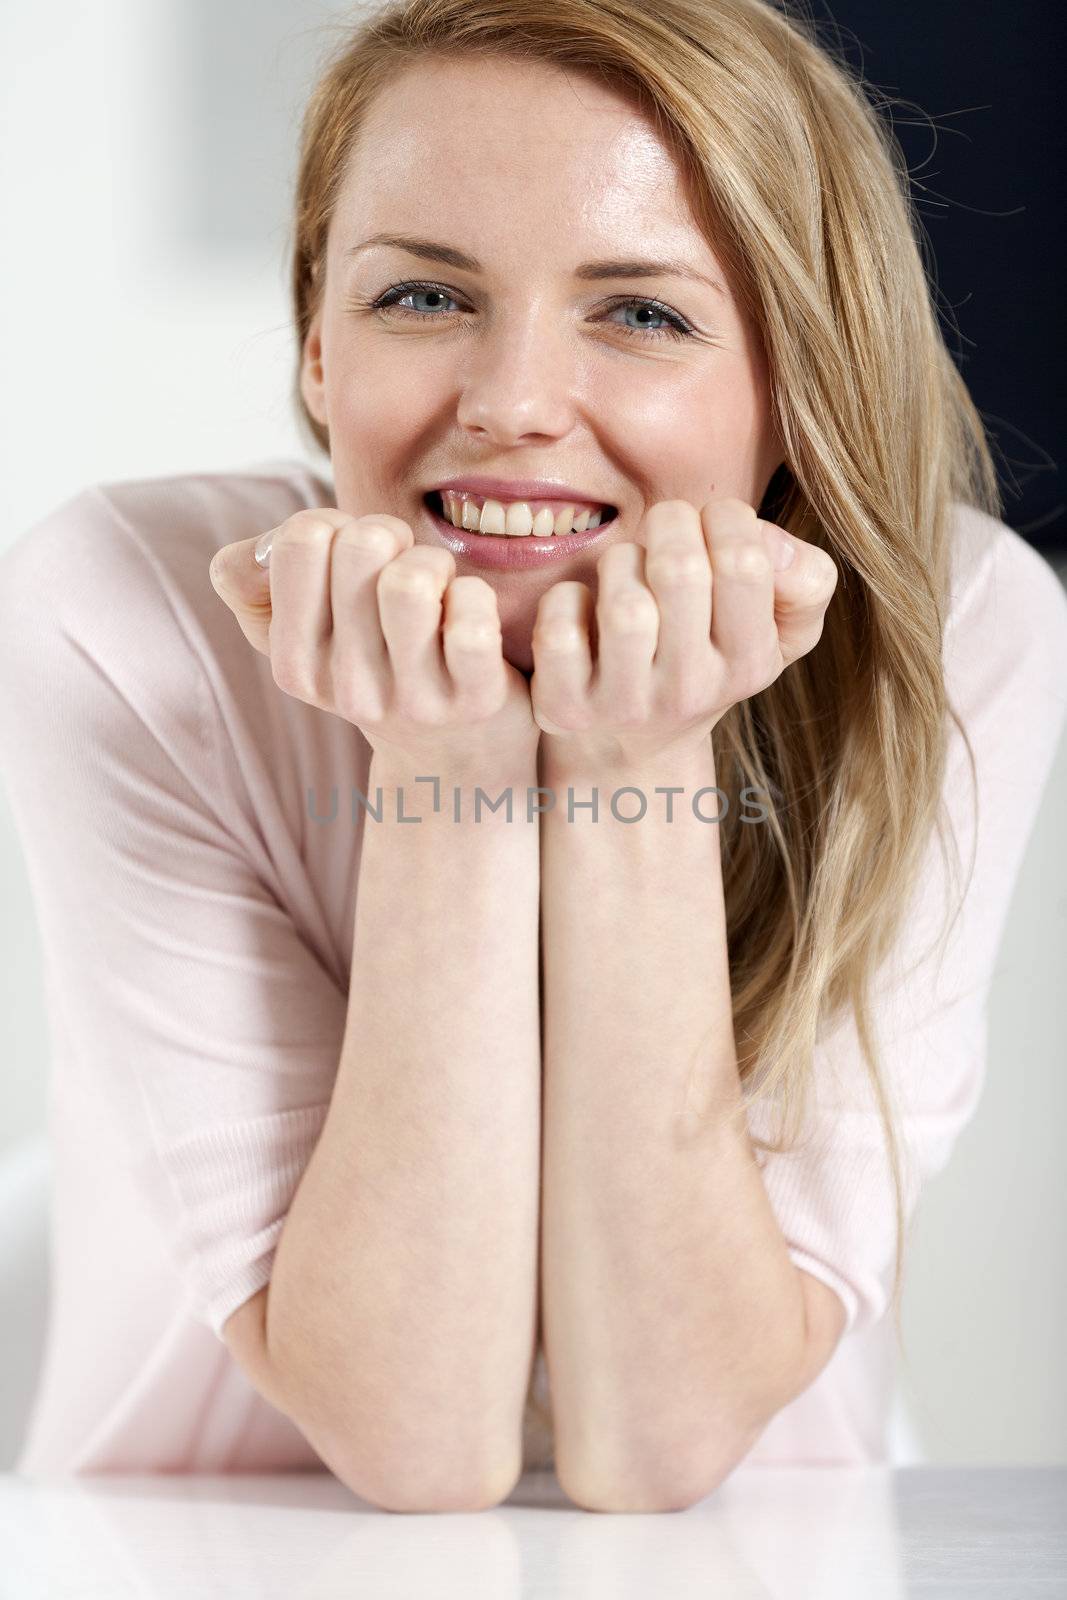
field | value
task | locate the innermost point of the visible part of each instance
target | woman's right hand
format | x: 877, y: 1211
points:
x: 357, y: 618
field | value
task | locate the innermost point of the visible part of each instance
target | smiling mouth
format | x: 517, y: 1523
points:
x: 434, y: 502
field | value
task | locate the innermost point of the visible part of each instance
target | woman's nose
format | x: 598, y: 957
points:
x: 520, y: 383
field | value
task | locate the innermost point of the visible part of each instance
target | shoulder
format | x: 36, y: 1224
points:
x: 998, y: 575
x: 126, y: 532
x: 1006, y: 628
x: 119, y: 572
x: 1005, y: 666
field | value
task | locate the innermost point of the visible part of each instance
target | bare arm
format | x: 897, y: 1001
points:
x: 674, y: 1319
x: 402, y: 1307
x: 400, y: 1323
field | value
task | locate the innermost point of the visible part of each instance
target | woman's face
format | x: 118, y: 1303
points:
x: 520, y: 368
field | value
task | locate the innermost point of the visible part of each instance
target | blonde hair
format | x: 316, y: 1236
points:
x: 803, y: 192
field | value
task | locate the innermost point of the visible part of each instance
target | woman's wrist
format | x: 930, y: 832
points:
x: 572, y: 759
x: 489, y: 770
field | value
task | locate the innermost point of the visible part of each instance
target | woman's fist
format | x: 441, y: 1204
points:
x: 706, y: 609
x: 358, y: 619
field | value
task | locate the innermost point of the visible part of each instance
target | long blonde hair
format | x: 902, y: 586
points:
x: 804, y: 193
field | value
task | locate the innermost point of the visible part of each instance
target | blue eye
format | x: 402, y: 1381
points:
x: 402, y: 291
x: 676, y: 327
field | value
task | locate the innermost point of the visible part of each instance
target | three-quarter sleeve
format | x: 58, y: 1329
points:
x: 193, y: 1016
x: 1006, y: 674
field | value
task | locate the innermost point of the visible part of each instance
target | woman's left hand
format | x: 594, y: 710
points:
x: 702, y: 593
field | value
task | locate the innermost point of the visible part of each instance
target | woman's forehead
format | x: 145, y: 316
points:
x: 584, y: 180
x: 450, y: 130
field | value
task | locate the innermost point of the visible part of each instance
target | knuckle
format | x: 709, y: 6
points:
x: 473, y: 634
x: 631, y: 612
x: 410, y: 579
x: 744, y: 559
x: 307, y: 527
x: 439, y: 565
x: 675, y: 566
x: 362, y: 533
x: 558, y: 637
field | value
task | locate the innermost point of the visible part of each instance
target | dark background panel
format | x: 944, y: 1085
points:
x: 984, y: 140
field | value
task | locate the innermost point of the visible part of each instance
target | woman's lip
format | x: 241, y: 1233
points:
x: 502, y: 552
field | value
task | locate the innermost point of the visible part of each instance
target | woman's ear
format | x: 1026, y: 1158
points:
x: 312, y: 384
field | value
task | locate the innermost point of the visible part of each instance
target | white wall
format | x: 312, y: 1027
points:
x: 148, y: 149
x: 986, y: 1299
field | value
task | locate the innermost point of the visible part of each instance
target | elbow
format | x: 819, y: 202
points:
x: 669, y: 1477
x: 690, y: 1479
x: 450, y: 1480
x: 435, y: 1491
x: 395, y: 1461
x: 389, y: 1455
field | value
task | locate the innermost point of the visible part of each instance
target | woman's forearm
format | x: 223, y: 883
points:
x: 672, y: 1313
x: 404, y: 1293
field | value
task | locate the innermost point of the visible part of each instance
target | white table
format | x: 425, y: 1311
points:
x: 860, y: 1533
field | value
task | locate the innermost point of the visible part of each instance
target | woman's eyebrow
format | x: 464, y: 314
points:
x: 589, y: 271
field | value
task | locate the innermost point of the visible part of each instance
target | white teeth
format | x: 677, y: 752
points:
x: 493, y: 518
x: 516, y: 520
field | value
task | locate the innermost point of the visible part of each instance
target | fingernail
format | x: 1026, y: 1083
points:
x: 783, y: 545
x: 262, y: 547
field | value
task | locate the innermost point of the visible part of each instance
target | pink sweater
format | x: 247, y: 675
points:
x: 197, y: 922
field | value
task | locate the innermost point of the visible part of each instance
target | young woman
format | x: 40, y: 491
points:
x: 429, y: 1138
